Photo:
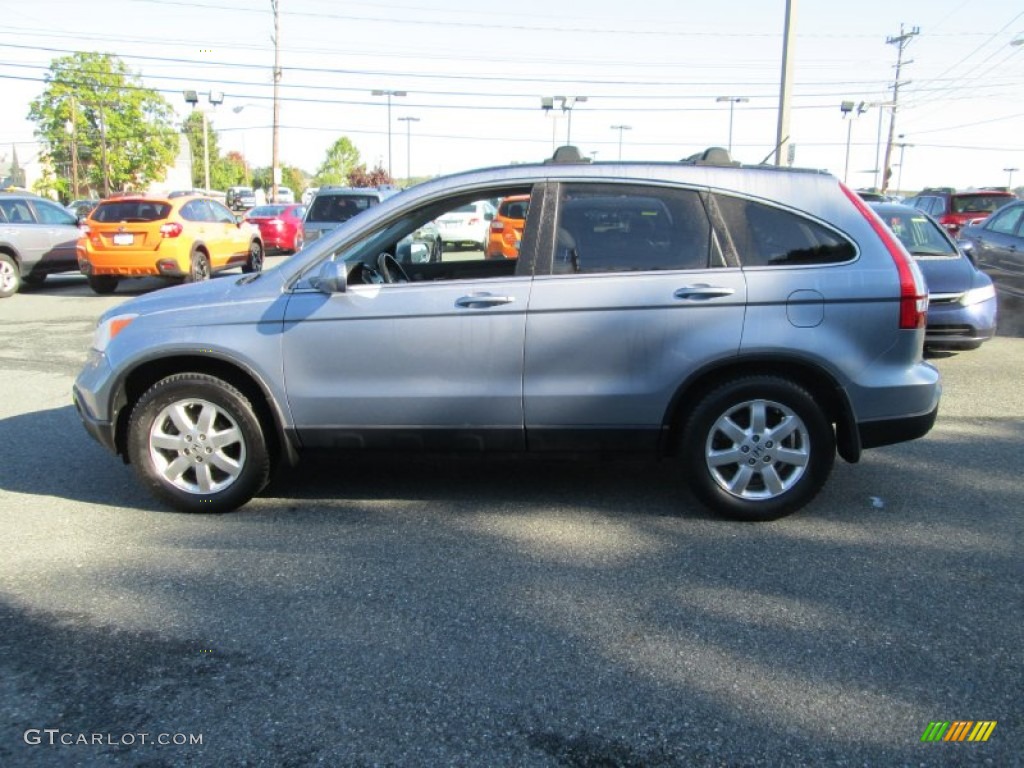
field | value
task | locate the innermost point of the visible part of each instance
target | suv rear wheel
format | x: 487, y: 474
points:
x: 102, y: 284
x: 196, y: 442
x: 758, y: 448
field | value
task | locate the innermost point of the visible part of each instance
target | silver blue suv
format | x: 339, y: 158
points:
x: 746, y: 323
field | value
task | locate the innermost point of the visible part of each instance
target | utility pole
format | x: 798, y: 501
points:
x: 274, y: 170
x: 901, y: 42
x: 103, y: 138
x: 786, y: 86
x: 74, y: 151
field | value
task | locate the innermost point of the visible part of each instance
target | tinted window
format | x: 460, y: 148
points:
x: 196, y: 210
x: 48, y: 213
x: 131, y: 210
x: 766, y: 236
x: 220, y: 213
x: 17, y: 211
x: 265, y: 211
x: 514, y: 209
x: 979, y: 203
x: 339, y: 208
x: 610, y: 228
x: 1007, y: 222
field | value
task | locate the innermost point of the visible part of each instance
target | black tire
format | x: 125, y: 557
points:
x: 197, y: 444
x: 198, y: 267
x: 299, y: 242
x: 255, y: 261
x: 103, y: 285
x: 770, y: 478
x: 10, y: 276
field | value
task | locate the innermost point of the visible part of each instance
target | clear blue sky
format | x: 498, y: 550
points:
x: 475, y: 74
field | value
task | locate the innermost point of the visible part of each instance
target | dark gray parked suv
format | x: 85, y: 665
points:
x: 37, y: 238
x: 744, y: 322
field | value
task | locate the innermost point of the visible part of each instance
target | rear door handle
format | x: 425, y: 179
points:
x: 703, y: 292
x: 481, y: 300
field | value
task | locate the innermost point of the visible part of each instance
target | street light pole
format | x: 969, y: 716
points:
x: 215, y: 98
x: 408, y: 145
x: 1009, y: 180
x: 733, y: 101
x: 389, y: 94
x: 899, y: 177
x: 847, y: 108
x: 620, y: 129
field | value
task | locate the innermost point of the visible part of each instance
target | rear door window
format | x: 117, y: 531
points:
x: 626, y: 228
x: 761, y: 235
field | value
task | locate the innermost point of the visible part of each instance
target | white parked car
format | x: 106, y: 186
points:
x: 468, y: 223
x: 285, y: 195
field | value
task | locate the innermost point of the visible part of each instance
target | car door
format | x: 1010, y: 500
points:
x: 23, y: 232
x: 999, y: 248
x: 637, y: 299
x: 432, y: 363
x: 60, y: 251
x: 232, y: 240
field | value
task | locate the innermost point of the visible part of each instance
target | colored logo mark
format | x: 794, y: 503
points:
x: 959, y: 730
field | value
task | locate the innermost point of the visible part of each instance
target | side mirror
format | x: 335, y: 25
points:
x: 332, y: 277
x: 967, y: 249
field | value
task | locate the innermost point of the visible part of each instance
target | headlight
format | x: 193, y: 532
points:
x: 108, y: 329
x: 978, y: 295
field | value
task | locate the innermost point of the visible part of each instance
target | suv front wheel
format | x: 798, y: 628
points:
x: 757, y: 448
x: 196, y: 442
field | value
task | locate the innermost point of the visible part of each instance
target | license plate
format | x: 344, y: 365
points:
x: 123, y: 238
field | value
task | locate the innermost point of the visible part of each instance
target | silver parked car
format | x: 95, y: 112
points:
x: 747, y: 323
x: 37, y: 238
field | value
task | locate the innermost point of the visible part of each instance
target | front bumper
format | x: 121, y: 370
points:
x: 91, y: 395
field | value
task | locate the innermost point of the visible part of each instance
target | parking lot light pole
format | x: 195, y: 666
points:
x: 620, y: 129
x: 547, y: 103
x: 215, y: 98
x: 733, y: 101
x: 389, y: 94
x: 1009, y: 179
x: 408, y: 145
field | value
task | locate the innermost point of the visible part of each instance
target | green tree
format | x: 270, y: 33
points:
x: 342, y: 157
x: 123, y: 133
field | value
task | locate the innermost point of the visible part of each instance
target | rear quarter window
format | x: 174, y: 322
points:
x: 764, y: 236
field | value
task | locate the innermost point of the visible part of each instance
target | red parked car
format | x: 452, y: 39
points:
x: 280, y: 226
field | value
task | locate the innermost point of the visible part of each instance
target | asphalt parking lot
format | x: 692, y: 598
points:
x: 437, y: 611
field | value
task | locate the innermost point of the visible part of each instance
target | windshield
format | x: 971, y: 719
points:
x: 131, y: 210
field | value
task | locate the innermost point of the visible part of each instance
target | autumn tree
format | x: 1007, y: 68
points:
x: 360, y: 177
x: 94, y: 113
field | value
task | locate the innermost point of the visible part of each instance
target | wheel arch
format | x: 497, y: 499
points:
x: 10, y: 250
x: 145, y: 375
x: 821, y: 384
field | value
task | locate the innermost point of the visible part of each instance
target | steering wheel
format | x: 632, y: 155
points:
x: 390, y: 269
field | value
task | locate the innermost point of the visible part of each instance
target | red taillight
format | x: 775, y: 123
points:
x: 497, y: 226
x: 171, y: 229
x: 474, y: 220
x: 913, y: 293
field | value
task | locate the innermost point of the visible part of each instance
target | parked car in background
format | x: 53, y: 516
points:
x: 962, y: 306
x: 332, y: 206
x: 506, y: 229
x: 185, y: 238
x: 81, y: 207
x: 746, y: 323
x: 954, y: 209
x: 309, y: 194
x: 285, y: 195
x: 468, y: 224
x: 280, y: 226
x: 997, y: 245
x: 37, y: 238
x: 240, y: 198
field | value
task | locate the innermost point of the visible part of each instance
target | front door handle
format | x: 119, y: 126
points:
x: 703, y: 291
x: 481, y: 300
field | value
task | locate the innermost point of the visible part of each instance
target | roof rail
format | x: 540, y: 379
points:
x: 711, y: 156
x: 567, y: 154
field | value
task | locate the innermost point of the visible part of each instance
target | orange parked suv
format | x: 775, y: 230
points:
x: 507, y: 228
x: 187, y: 238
